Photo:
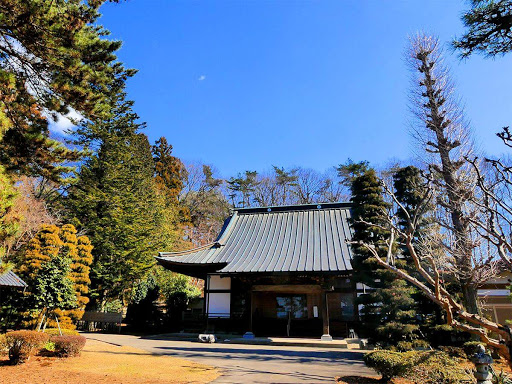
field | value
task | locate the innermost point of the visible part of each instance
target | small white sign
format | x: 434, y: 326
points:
x: 315, y: 311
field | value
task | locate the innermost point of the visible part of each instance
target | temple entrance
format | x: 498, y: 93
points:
x: 282, y: 312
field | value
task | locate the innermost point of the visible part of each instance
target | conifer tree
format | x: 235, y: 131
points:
x: 9, y: 223
x: 53, y: 58
x: 115, y: 202
x: 46, y: 270
x: 387, y: 312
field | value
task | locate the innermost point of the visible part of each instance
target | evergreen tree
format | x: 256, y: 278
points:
x: 9, y: 222
x: 489, y: 28
x: 116, y: 202
x: 77, y: 252
x: 46, y: 269
x: 169, y: 176
x: 243, y: 185
x: 387, y: 313
x: 52, y: 58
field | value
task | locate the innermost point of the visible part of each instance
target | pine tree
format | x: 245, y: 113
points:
x: 387, y: 314
x: 489, y: 28
x: 53, y: 58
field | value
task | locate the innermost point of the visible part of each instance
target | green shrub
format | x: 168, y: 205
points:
x: 23, y: 344
x: 435, y: 367
x: 65, y: 332
x: 68, y: 346
x: 388, y: 363
x: 426, y: 367
x: 49, y: 346
x: 470, y: 347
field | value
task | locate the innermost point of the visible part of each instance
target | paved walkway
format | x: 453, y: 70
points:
x: 253, y: 363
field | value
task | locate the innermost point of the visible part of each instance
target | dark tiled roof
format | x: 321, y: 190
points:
x: 9, y: 279
x: 295, y: 238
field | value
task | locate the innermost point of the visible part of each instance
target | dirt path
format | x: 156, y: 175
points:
x: 102, y: 363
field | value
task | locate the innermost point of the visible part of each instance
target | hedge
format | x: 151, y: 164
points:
x: 23, y: 344
x: 69, y: 345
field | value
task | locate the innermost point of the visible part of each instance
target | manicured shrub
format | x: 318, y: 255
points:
x: 65, y: 332
x: 426, y: 367
x: 68, y: 346
x: 435, y: 367
x: 404, y: 346
x: 388, y: 363
x: 23, y: 344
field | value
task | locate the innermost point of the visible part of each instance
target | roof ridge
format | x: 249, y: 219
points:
x: 293, y: 207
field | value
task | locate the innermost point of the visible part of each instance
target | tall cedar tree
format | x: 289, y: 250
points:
x: 489, y: 28
x: 169, y: 177
x: 116, y: 203
x: 387, y: 312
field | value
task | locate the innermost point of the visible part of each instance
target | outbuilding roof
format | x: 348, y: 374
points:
x: 295, y: 238
x: 10, y: 279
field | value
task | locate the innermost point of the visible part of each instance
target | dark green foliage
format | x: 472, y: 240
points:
x: 387, y: 363
x: 158, y: 301
x: 388, y: 315
x: 53, y: 288
x: 53, y: 59
x: 116, y: 202
x: 489, y: 28
x: 244, y: 185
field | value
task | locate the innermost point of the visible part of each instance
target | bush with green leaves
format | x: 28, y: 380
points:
x: 69, y: 345
x: 388, y: 363
x: 426, y: 367
x: 23, y: 344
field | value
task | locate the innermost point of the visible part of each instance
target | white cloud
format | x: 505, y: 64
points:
x: 63, y: 123
x: 202, y: 77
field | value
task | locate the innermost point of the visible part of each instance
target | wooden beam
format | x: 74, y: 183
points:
x: 306, y: 288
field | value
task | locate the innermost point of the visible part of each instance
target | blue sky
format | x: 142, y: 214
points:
x: 244, y: 85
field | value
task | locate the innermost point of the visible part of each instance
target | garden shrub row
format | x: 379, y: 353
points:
x: 23, y: 344
x: 20, y: 345
x: 427, y: 367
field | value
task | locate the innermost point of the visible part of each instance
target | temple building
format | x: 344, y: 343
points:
x: 276, y: 271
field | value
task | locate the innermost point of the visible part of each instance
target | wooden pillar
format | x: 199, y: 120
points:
x: 325, y: 317
x: 249, y: 334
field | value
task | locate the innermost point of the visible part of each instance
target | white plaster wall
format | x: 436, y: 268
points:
x: 219, y: 304
x: 217, y: 282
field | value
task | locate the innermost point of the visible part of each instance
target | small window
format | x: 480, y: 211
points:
x: 295, y: 306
